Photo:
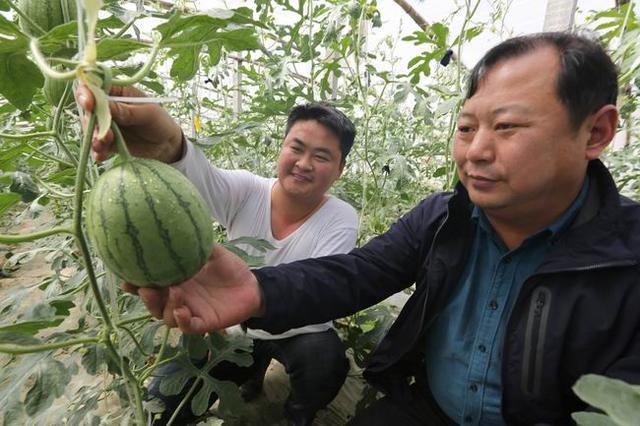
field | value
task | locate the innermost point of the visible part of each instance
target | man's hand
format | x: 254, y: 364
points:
x: 148, y: 129
x: 223, y: 293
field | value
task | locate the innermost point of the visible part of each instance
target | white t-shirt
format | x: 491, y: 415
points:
x: 241, y: 202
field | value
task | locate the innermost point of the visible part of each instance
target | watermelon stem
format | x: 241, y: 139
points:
x: 120, y: 143
x: 28, y: 349
x: 159, y: 358
x: 142, y: 72
x: 22, y: 238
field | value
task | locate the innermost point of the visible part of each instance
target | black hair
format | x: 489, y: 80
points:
x: 330, y: 117
x: 587, y: 79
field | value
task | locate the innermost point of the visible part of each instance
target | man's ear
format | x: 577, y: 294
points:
x: 604, y: 124
x: 343, y: 163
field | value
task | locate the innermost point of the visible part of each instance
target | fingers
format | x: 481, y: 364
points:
x: 102, y: 147
x: 129, y: 288
x: 85, y: 98
x: 155, y: 301
x: 182, y: 315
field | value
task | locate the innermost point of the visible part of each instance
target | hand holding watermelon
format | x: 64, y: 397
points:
x: 149, y: 130
x: 223, y: 293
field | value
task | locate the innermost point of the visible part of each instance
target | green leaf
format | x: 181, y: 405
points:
x: 19, y: 91
x: 173, y: 383
x: 441, y: 32
x: 233, y: 349
x: 592, y: 419
x: 14, y: 413
x: 239, y: 39
x: 109, y: 48
x: 228, y: 393
x: 17, y: 338
x: 51, y: 379
x: 147, y: 340
x: 29, y: 327
x: 616, y: 398
x: 7, y: 201
x: 96, y: 359
x: 62, y: 307
x: 185, y: 66
x: 57, y: 37
x: 9, y: 28
x: 4, y: 6
x: 13, y: 41
x: 215, y: 52
x: 196, y: 346
x: 440, y: 171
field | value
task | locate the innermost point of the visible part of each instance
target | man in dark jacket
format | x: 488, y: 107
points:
x: 526, y: 276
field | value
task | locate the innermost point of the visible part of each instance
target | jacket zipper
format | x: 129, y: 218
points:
x: 426, y: 297
x: 537, y: 325
x: 535, y: 334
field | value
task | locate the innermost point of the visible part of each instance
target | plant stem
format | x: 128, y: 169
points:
x: 123, y: 151
x: 27, y: 349
x: 158, y: 359
x: 77, y: 220
x: 23, y: 238
x: 134, y: 319
x: 26, y: 18
x: 51, y: 190
x: 142, y: 72
x: 68, y: 153
x: 125, y: 28
x: 50, y: 157
x: 135, y: 341
x: 186, y: 398
x: 126, y: 371
x: 46, y: 69
x: 27, y: 135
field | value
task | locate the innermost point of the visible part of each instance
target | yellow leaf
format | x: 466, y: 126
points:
x: 197, y: 123
x: 103, y: 114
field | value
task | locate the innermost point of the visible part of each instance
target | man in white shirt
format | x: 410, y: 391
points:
x: 293, y: 212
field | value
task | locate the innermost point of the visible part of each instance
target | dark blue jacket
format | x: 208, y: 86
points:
x: 578, y: 313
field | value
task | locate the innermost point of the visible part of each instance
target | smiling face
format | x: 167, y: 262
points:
x: 310, y: 161
x: 515, y: 150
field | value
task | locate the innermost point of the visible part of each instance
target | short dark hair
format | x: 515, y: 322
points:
x: 330, y: 117
x: 587, y: 80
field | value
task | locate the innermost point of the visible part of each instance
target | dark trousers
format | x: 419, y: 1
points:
x: 422, y: 409
x: 315, y: 362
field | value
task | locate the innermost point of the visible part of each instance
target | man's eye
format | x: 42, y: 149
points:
x: 506, y: 126
x: 321, y: 158
x: 465, y: 129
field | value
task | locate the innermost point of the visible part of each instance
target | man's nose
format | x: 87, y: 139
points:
x: 482, y: 146
x: 304, y: 162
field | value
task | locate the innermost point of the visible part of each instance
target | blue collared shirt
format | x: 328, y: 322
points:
x: 464, y: 343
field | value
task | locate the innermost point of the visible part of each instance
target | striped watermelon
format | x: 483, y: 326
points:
x: 149, y: 224
x: 47, y: 14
